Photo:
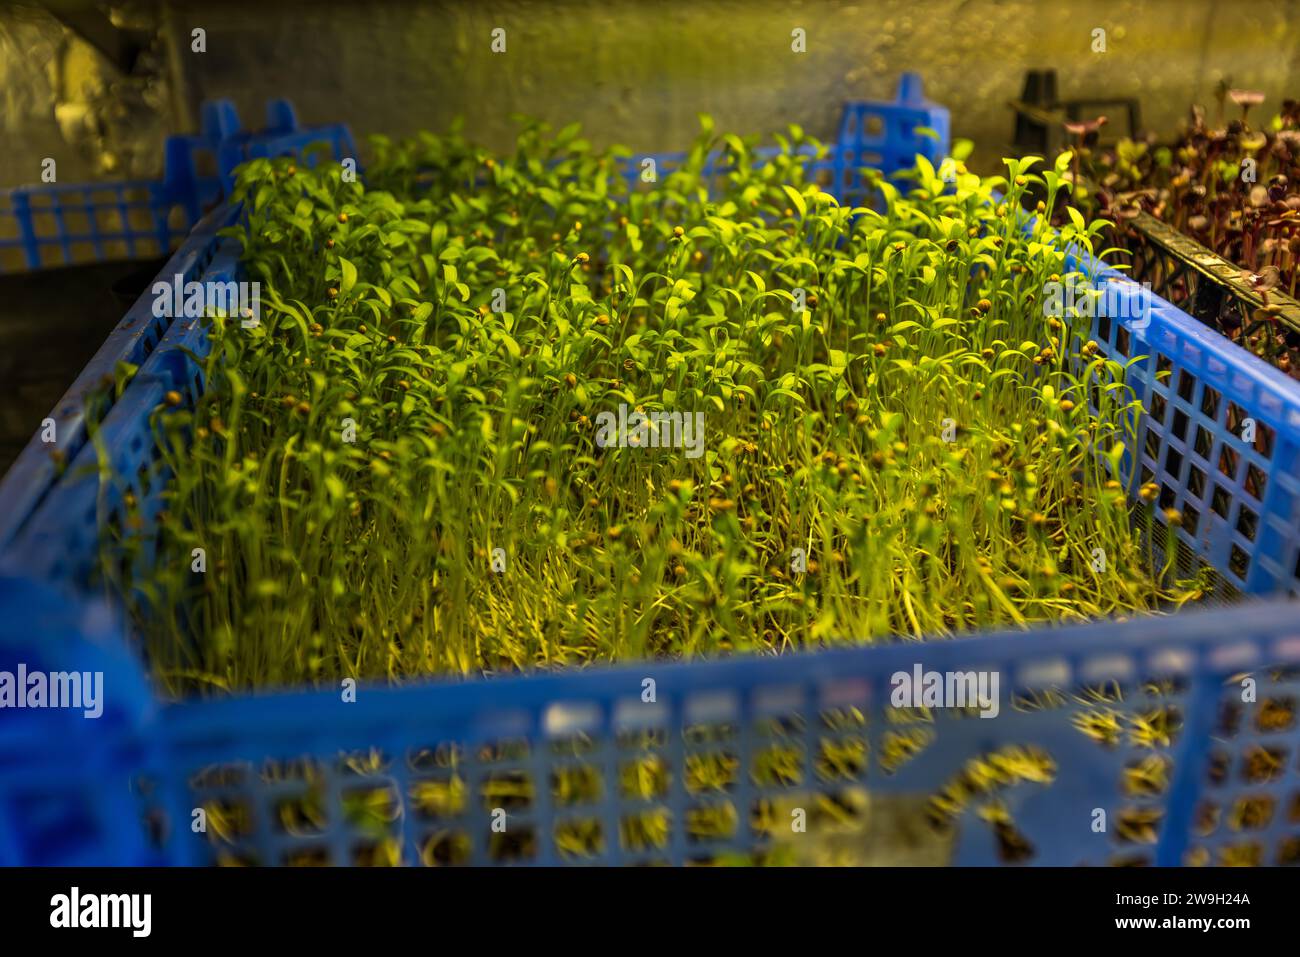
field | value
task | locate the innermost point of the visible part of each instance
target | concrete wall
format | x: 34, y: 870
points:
x: 60, y: 99
x: 637, y: 72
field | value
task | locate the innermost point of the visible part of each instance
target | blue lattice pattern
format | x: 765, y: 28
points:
x: 1145, y: 722
x: 1247, y: 809
x: 1220, y: 436
x: 580, y: 768
x: 53, y: 225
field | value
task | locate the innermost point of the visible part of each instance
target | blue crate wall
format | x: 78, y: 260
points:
x: 1239, y: 500
x: 223, y: 141
x: 1137, y: 720
x: 61, y: 540
x: 415, y: 774
x: 1246, y: 807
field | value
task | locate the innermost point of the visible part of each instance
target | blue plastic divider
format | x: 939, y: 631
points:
x: 1136, y: 719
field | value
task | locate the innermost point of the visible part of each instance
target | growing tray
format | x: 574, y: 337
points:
x: 1107, y: 702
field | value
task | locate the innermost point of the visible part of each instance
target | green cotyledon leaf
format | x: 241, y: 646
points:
x: 796, y: 199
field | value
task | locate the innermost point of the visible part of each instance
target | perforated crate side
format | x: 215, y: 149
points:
x: 1202, y: 396
x: 579, y: 767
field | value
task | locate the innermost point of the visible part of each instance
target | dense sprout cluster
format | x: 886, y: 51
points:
x: 397, y: 471
x: 1232, y: 185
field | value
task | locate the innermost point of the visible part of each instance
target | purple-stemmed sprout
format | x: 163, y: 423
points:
x: 1286, y: 147
x: 1253, y: 224
x: 1286, y: 240
x: 1221, y: 96
x: 1216, y: 142
x: 1277, y: 188
x: 1293, y: 263
x: 1081, y: 130
x: 1261, y: 281
x: 1189, y: 202
x: 1246, y: 99
x: 1255, y: 220
x: 1128, y: 205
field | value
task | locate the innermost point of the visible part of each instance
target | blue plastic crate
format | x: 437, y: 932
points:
x: 416, y: 773
x: 1220, y: 435
x: 63, y: 224
x: 831, y: 708
x: 419, y: 774
x: 885, y: 136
